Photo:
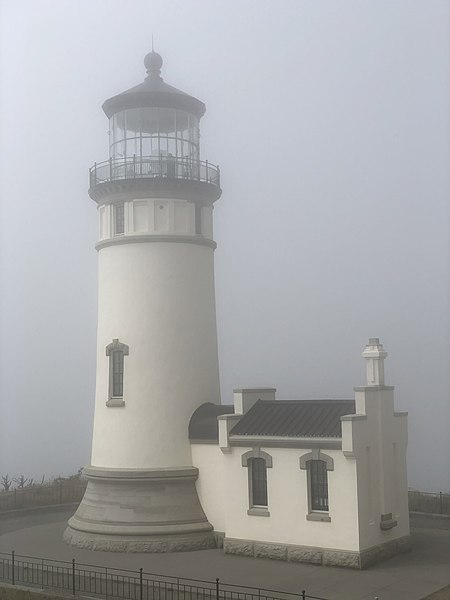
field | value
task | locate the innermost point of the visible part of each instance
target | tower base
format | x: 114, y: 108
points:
x: 140, y: 510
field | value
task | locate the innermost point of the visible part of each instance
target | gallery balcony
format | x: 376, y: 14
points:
x: 163, y: 175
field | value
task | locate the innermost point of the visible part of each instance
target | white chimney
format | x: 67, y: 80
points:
x: 374, y: 355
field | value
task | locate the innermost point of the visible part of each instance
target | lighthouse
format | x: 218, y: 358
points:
x: 157, y: 359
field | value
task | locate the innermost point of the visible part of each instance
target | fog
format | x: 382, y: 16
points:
x: 330, y: 123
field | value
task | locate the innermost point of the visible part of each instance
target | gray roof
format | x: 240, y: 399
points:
x: 281, y: 418
x: 203, y: 424
x: 294, y: 418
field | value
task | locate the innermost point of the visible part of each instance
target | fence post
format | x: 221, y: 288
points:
x: 440, y: 503
x: 60, y: 492
x: 73, y: 576
x: 303, y: 594
x: 106, y: 583
x: 15, y: 498
x: 12, y: 562
x: 141, y: 591
x: 217, y: 588
x: 42, y: 573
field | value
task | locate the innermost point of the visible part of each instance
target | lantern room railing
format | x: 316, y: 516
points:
x: 149, y: 167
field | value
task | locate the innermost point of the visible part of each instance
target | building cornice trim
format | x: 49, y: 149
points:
x: 285, y: 442
x: 353, y: 417
x: 374, y: 388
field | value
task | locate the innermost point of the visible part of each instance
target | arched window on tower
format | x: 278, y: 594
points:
x: 116, y: 352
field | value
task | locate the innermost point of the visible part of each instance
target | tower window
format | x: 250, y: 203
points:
x: 117, y: 373
x: 119, y: 218
x: 198, y: 219
x: 116, y: 352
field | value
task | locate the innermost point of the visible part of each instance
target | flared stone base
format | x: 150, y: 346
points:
x: 137, y: 510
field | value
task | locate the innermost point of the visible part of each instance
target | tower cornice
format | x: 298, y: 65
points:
x: 152, y: 237
x: 201, y: 192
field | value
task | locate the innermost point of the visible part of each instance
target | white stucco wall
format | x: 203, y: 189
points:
x: 224, y: 496
x: 378, y: 442
x: 211, y: 487
x: 158, y: 298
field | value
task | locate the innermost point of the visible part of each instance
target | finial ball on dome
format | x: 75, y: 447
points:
x: 153, y: 62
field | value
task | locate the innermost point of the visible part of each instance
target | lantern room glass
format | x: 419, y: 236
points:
x: 154, y: 133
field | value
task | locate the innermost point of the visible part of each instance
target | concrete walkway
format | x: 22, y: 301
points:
x: 412, y: 576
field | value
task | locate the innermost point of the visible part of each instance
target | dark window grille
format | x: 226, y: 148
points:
x: 258, y: 471
x: 119, y: 218
x: 318, y: 485
x: 117, y: 373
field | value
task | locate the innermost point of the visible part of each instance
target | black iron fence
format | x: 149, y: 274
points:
x: 106, y: 582
x: 427, y: 502
x: 148, y: 167
x: 61, y: 492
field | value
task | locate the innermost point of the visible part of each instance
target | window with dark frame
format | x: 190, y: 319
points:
x: 116, y: 351
x: 258, y: 476
x: 117, y: 373
x: 119, y: 218
x: 318, y: 485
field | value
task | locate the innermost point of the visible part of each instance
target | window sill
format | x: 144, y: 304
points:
x: 258, y: 512
x: 115, y: 402
x: 318, y: 516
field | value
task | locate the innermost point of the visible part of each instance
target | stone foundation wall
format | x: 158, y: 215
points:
x: 317, y: 556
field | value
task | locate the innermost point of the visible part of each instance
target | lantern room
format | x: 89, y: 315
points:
x: 154, y: 133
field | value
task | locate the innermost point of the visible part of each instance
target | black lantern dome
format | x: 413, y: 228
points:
x: 154, y: 92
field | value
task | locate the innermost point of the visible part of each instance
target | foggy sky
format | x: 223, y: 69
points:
x: 330, y: 122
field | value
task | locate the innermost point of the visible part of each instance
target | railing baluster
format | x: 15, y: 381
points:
x: 73, y: 576
x: 12, y: 563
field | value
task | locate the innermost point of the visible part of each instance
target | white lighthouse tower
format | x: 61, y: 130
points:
x: 157, y: 340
